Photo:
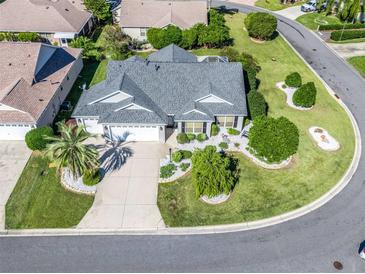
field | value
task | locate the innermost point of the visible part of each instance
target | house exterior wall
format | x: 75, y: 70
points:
x: 53, y: 107
x: 135, y: 33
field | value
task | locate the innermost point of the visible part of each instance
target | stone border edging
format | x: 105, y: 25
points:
x: 223, y: 228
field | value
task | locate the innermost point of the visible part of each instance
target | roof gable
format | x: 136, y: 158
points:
x: 172, y: 54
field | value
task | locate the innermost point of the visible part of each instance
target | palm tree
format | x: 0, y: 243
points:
x: 69, y: 150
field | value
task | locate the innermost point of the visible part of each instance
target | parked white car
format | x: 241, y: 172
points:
x: 309, y: 6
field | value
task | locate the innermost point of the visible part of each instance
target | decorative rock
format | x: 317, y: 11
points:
x: 289, y: 96
x: 323, y: 139
x: 216, y: 199
x: 68, y: 181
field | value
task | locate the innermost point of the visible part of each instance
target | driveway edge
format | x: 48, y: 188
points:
x: 223, y: 228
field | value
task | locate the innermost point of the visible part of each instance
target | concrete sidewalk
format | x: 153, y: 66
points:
x: 127, y: 196
x: 14, y: 156
x: 291, y: 13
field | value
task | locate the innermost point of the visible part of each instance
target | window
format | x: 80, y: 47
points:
x: 227, y: 121
x: 193, y: 127
x: 221, y: 120
x: 189, y: 127
x: 198, y: 127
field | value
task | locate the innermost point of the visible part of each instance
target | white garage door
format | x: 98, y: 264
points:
x: 92, y: 126
x: 135, y: 133
x: 13, y: 132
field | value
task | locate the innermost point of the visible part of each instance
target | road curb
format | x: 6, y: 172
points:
x: 222, y: 228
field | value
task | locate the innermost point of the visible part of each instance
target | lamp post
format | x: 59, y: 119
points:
x: 170, y: 150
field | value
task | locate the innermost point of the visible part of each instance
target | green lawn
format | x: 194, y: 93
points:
x: 275, y: 4
x: 92, y: 73
x: 314, y: 19
x: 358, y: 63
x: 263, y: 193
x: 39, y: 200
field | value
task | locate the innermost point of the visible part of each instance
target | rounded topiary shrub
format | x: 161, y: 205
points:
x: 261, y: 25
x: 35, y: 138
x: 191, y: 136
x: 233, y: 131
x: 182, y: 138
x: 293, y: 80
x: 223, y: 145
x: 305, y: 96
x: 256, y: 104
x: 186, y: 154
x: 91, y: 178
x: 273, y: 140
x: 215, y: 130
x: 177, y: 156
x: 201, y: 137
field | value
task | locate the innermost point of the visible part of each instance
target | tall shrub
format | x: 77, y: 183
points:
x: 257, y: 105
x: 293, y: 80
x: 305, y: 96
x: 36, y: 138
x: 273, y: 140
x: 261, y: 25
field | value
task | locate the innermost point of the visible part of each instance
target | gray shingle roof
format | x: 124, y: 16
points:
x: 160, y: 89
x: 172, y: 53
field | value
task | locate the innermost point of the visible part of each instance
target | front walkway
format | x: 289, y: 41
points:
x: 127, y: 196
x: 14, y: 156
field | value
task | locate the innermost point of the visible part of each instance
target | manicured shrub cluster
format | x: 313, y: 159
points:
x: 184, y: 166
x: 36, y: 138
x: 201, y: 137
x: 191, y: 136
x: 261, y: 25
x: 167, y: 171
x: 305, y: 96
x: 180, y: 155
x: 22, y: 36
x: 233, y: 131
x: 257, y: 105
x: 182, y: 138
x: 223, y: 145
x: 92, y: 177
x: 293, y: 80
x: 216, y: 34
x: 273, y: 140
x: 347, y: 34
x: 213, y: 173
x: 215, y: 130
x: 177, y: 156
x: 342, y: 26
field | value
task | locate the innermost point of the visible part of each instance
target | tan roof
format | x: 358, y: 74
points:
x: 159, y: 14
x: 48, y: 16
x: 30, y: 74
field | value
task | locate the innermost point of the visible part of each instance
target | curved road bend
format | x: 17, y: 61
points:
x: 310, y: 243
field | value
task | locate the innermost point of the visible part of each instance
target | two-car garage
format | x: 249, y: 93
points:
x: 14, y: 131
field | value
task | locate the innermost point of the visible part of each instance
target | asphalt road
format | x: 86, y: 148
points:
x: 310, y: 243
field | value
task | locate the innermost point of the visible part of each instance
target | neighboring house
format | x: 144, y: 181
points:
x: 59, y: 21
x: 137, y: 16
x: 35, y: 79
x: 140, y: 98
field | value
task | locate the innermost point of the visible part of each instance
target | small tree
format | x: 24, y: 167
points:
x: 70, y: 151
x: 189, y: 38
x: 28, y: 36
x: 99, y: 8
x: 261, y: 25
x: 213, y: 173
x: 293, y: 80
x: 87, y: 45
x: 273, y: 140
x: 36, y: 138
x: 116, y: 42
x: 160, y: 38
x: 305, y: 96
x: 256, y: 104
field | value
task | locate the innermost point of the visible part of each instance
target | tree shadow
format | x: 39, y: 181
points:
x: 114, y: 157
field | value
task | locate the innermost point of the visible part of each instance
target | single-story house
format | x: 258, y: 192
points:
x: 35, y: 79
x: 171, y: 88
x: 58, y: 21
x: 137, y: 16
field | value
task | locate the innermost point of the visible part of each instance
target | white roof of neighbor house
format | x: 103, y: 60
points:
x: 47, y: 16
x: 159, y: 14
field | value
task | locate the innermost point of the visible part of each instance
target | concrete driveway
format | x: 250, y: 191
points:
x: 291, y: 13
x: 14, y: 156
x: 349, y: 50
x: 127, y: 196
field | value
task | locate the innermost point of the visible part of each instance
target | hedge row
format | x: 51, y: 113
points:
x: 342, y: 26
x: 22, y: 36
x: 347, y: 34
